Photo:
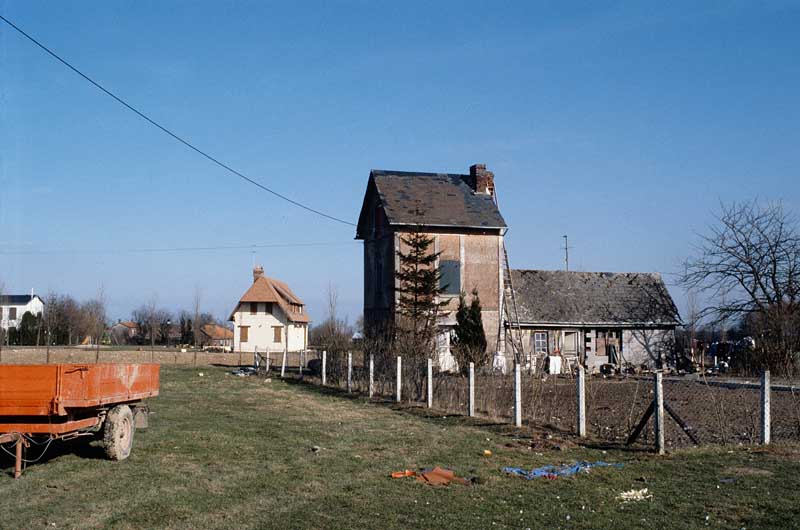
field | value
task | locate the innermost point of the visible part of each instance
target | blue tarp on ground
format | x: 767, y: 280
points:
x: 552, y: 472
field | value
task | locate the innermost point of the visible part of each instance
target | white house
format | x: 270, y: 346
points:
x: 13, y: 306
x: 269, y: 317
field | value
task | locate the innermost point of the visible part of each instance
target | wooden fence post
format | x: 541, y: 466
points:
x: 399, y: 378
x: 581, y: 402
x: 430, y: 383
x: 659, y: 412
x: 324, y: 363
x: 517, y: 396
x: 349, y: 372
x: 471, y: 390
x: 766, y: 420
x: 371, y: 374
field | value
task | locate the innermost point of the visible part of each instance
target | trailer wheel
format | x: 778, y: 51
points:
x: 118, y: 432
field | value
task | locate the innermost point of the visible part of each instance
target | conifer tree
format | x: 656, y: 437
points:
x: 470, y: 342
x: 418, y: 303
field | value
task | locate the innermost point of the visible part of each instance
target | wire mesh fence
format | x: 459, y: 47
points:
x: 699, y: 410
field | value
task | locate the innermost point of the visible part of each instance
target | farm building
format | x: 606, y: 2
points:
x: 13, y: 306
x: 460, y: 213
x: 596, y: 317
x: 269, y: 317
x: 216, y: 336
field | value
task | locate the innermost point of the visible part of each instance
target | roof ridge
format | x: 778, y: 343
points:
x: 588, y: 272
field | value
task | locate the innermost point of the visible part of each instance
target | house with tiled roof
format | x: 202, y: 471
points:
x: 124, y: 332
x: 269, y: 317
x: 216, y: 336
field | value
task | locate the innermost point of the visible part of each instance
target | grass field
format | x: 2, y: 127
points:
x: 230, y: 452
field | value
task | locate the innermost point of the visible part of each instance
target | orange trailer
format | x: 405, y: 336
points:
x: 64, y: 401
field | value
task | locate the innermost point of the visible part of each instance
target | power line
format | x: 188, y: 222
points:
x: 172, y: 249
x: 169, y: 132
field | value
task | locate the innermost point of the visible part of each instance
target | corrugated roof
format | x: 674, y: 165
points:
x: 444, y: 199
x: 562, y: 297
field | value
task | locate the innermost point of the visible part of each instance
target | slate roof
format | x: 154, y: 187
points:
x: 445, y: 199
x: 16, y: 299
x: 600, y: 298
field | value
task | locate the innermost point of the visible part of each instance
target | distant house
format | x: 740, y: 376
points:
x: 459, y: 212
x: 216, y: 336
x: 269, y: 317
x: 597, y: 318
x: 13, y: 306
x: 124, y: 332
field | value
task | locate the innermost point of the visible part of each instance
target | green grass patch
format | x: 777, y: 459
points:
x: 230, y: 452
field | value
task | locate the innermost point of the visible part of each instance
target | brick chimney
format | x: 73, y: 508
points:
x: 481, y: 180
x: 258, y: 272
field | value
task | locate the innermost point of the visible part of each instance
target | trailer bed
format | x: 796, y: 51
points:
x: 64, y: 389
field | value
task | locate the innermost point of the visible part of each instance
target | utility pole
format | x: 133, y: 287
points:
x: 566, y: 254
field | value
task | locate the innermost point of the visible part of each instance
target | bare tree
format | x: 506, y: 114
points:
x: 52, y: 317
x: 333, y: 335
x: 94, y: 319
x: 748, y: 268
x: 198, y: 298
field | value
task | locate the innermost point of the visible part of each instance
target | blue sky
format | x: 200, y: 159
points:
x: 621, y: 124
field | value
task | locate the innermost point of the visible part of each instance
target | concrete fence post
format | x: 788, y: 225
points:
x: 349, y: 372
x: 430, y: 383
x: 371, y: 374
x: 517, y: 395
x: 301, y: 360
x: 399, y: 378
x: 283, y: 364
x: 471, y: 390
x: 659, y: 412
x: 766, y: 420
x: 267, y: 362
x: 581, y: 395
x: 324, y: 365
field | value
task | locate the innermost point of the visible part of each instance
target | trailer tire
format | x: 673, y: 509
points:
x: 118, y: 432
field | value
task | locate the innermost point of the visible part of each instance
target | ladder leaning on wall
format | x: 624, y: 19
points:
x: 509, y: 324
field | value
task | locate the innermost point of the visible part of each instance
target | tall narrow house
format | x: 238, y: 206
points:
x: 460, y: 213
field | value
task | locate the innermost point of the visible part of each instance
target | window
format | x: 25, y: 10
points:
x: 570, y: 342
x: 244, y: 331
x: 268, y: 307
x: 253, y: 308
x: 450, y: 280
x: 540, y: 342
x: 276, y: 333
x: 12, y: 313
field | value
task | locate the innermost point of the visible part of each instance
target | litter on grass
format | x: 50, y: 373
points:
x: 553, y: 472
x: 634, y: 495
x: 437, y: 476
x: 244, y: 371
